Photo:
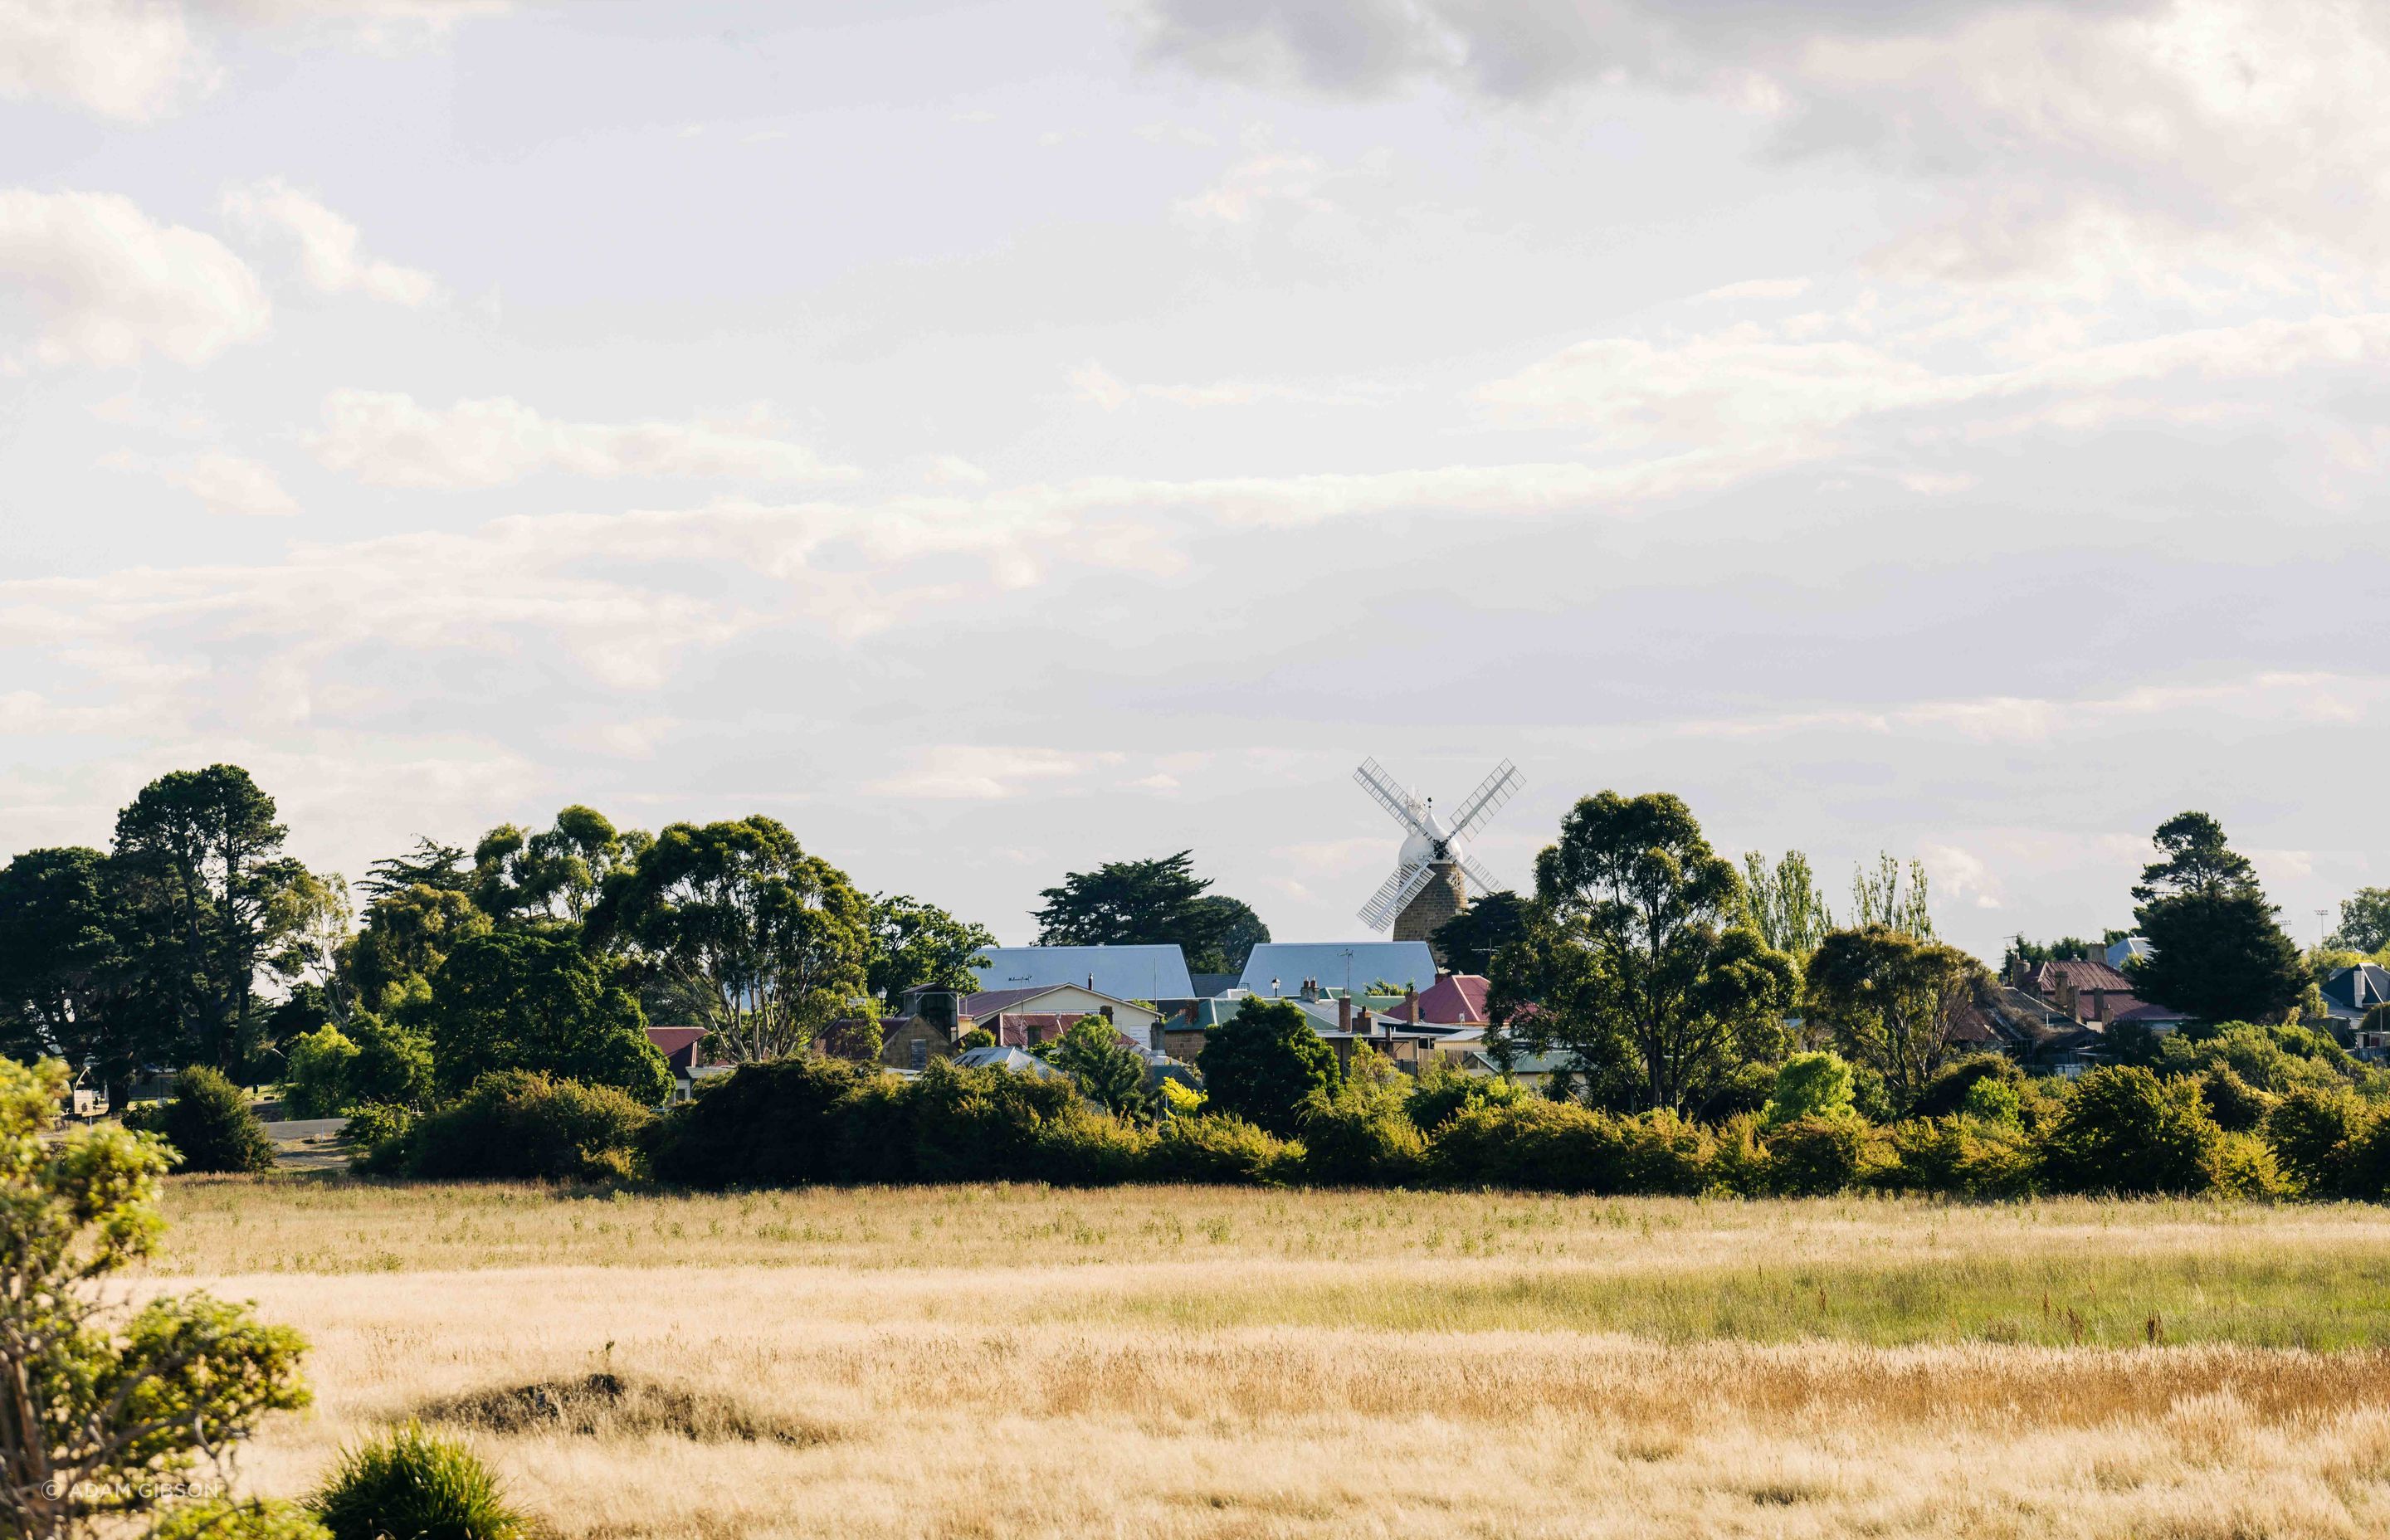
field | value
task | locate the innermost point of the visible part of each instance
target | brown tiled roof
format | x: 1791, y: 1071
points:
x: 1025, y: 1029
x: 1454, y: 1000
x: 2086, y: 973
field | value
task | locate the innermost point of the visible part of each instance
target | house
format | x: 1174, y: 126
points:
x: 1280, y: 968
x: 1454, y: 1000
x: 1116, y: 972
x: 2153, y: 1018
x: 1016, y: 1018
x: 1007, y: 1059
x: 2350, y: 996
x: 2085, y: 990
x: 684, y: 1051
x: 2128, y: 951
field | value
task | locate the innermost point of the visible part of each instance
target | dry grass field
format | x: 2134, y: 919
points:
x: 998, y: 1361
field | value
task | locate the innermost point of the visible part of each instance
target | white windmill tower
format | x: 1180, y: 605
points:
x: 1429, y: 885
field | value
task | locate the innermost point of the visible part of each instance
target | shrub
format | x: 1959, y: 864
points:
x: 769, y: 1124
x: 2246, y: 1168
x: 2311, y: 1131
x: 2366, y: 1171
x: 1442, y: 1093
x: 2122, y: 1130
x: 1814, y: 1157
x: 410, y: 1485
x: 1219, y: 1147
x: 1558, y: 1146
x: 393, y: 1063
x: 993, y: 1125
x: 2236, y: 1106
x: 1264, y: 1063
x: 1991, y: 1099
x: 1660, y: 1152
x: 1358, y: 1134
x: 377, y: 1138
x: 1963, y: 1156
x: 514, y: 1000
x: 221, y: 1519
x: 517, y: 1124
x: 1946, y: 1092
x: 211, y: 1125
x: 978, y: 1037
x: 1809, y: 1086
x: 315, y: 1074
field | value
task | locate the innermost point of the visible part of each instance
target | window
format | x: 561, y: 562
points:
x: 920, y: 1053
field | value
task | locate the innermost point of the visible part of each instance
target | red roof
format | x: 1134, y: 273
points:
x: 678, y: 1044
x: 2084, y: 973
x: 1027, y: 1029
x: 1454, y: 1000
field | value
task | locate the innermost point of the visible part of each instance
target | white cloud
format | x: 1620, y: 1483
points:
x: 104, y: 283
x: 1255, y: 185
x: 1759, y: 288
x: 968, y: 773
x: 119, y: 59
x: 227, y: 483
x: 388, y: 439
x: 331, y: 252
x: 1092, y: 383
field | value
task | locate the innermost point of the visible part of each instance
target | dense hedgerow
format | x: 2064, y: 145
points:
x: 2127, y: 1131
x: 210, y: 1123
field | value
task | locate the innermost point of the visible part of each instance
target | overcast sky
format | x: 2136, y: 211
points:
x: 999, y: 438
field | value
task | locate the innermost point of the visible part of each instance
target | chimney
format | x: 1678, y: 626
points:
x: 1108, y: 1013
x: 1343, y: 1013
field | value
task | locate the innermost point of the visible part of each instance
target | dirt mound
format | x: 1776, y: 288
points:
x: 606, y: 1404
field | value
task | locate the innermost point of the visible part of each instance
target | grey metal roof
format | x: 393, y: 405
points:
x: 2359, y: 988
x: 2128, y: 949
x: 1333, y: 963
x: 1020, y: 1063
x: 1123, y: 973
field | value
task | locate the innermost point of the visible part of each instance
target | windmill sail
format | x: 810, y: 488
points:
x: 1495, y: 789
x: 1391, y: 795
x: 1398, y: 890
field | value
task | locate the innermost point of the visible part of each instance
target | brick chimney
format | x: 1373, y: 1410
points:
x: 1343, y: 1013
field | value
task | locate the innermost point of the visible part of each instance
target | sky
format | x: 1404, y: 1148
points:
x: 994, y: 439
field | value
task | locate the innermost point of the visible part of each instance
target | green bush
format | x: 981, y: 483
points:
x: 1219, y: 1148
x: 315, y: 1074
x: 1558, y: 1146
x: 1809, y: 1086
x: 1963, y: 1156
x: 221, y: 1519
x: 763, y: 1126
x: 377, y: 1138
x: 2123, y: 1130
x: 2246, y: 1168
x: 1817, y: 1156
x: 211, y: 1124
x: 521, y: 1124
x: 2366, y: 1171
x: 1443, y: 1093
x: 1946, y: 1092
x: 2237, y: 1107
x: 1264, y: 1063
x: 1357, y: 1133
x: 409, y: 1485
x: 1991, y: 1099
x: 2311, y: 1133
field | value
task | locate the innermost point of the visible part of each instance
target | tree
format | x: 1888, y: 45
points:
x: 318, y: 1070
x: 2032, y: 953
x: 768, y: 945
x: 2123, y: 1130
x: 1784, y: 904
x: 1468, y: 941
x: 1106, y: 1070
x: 428, y: 864
x: 553, y: 878
x: 1648, y: 921
x: 1809, y: 1086
x: 407, y: 934
x: 102, y: 1406
x: 2364, y: 921
x: 210, y: 1127
x: 1262, y: 1063
x: 68, y: 987
x: 201, y: 852
x: 918, y: 945
x: 1880, y: 897
x: 2217, y: 952
x: 2193, y: 860
x: 312, y: 919
x: 1890, y: 1001
x: 1155, y: 902
x: 512, y: 1000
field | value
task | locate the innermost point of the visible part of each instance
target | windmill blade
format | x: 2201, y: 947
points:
x: 1491, y: 793
x: 1398, y: 890
x: 1390, y: 794
x: 1480, y: 879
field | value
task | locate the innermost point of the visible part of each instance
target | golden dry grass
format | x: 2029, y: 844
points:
x: 1166, y: 1362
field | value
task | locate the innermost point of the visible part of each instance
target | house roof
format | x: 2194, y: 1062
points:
x: 1454, y: 1000
x: 671, y: 1040
x: 1123, y: 972
x: 1339, y: 965
x: 2130, y: 947
x: 2359, y: 988
x: 1022, y: 1029
x: 1006, y: 1057
x: 2083, y: 973
x: 2149, y: 1016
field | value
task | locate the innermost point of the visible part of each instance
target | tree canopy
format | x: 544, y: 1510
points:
x: 512, y: 1000
x: 1651, y: 952
x: 916, y: 945
x: 1784, y: 904
x: 1153, y: 903
x: 1264, y: 1063
x: 1489, y: 922
x: 2364, y: 921
x: 1890, y: 1001
x: 2217, y: 952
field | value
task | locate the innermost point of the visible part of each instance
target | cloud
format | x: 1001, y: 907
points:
x: 118, y: 58
x: 2266, y: 697
x: 227, y: 483
x: 1092, y: 383
x: 2253, y: 124
x: 331, y: 252
x: 106, y: 284
x: 388, y: 439
x: 968, y: 773
x: 136, y: 60
x: 1255, y: 185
